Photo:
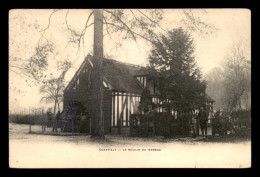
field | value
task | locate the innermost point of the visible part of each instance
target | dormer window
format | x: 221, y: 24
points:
x: 142, y: 80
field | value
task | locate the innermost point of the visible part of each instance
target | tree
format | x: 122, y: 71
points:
x: 52, y: 89
x: 145, y: 101
x: 50, y: 80
x: 96, y: 86
x: 53, y: 92
x: 215, y: 86
x: 97, y: 119
x: 38, y: 63
x: 174, y: 68
x: 132, y: 24
x: 124, y: 23
x: 237, y: 83
x: 230, y: 84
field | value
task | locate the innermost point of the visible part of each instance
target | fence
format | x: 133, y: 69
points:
x: 63, y: 125
x: 159, y: 124
x: 26, y: 115
x: 164, y: 124
x: 26, y: 119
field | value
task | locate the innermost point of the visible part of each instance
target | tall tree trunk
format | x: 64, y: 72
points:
x: 55, y: 105
x: 97, y: 118
x: 58, y: 105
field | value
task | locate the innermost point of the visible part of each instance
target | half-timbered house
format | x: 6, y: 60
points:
x: 123, y: 85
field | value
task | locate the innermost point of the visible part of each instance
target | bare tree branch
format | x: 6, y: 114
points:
x: 45, y: 29
x: 123, y: 28
x: 128, y: 29
x: 154, y: 22
x: 84, y: 30
x: 75, y: 34
x: 133, y: 14
x: 23, y: 73
x: 81, y: 36
x: 107, y: 29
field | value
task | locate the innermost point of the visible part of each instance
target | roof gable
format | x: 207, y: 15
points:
x: 119, y: 75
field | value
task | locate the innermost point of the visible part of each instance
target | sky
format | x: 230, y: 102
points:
x: 26, y: 27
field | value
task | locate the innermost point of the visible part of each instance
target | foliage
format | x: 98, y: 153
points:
x: 39, y: 61
x: 52, y: 88
x: 139, y: 23
x: 78, y: 112
x: 158, y: 124
x: 19, y: 119
x: 230, y: 85
x: 133, y: 24
x: 174, y: 68
x: 83, y: 125
x: 242, y: 117
x: 193, y: 22
x: 238, y: 78
x: 35, y: 119
x: 165, y: 125
x: 215, y: 86
x: 145, y: 101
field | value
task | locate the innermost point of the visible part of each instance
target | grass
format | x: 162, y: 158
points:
x: 228, y: 138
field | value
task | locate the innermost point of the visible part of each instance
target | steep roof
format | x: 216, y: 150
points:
x: 118, y: 74
x: 121, y: 75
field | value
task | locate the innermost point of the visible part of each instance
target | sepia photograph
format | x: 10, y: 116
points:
x: 129, y: 88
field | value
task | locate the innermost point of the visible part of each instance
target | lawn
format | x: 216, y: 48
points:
x: 46, y: 151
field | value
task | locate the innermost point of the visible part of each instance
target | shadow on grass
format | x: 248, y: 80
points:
x: 231, y: 138
x: 115, y: 139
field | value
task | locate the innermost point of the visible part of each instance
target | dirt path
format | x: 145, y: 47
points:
x: 44, y: 151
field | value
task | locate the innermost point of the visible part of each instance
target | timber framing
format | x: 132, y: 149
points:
x: 123, y: 86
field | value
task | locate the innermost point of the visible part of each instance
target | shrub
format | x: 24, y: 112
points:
x: 26, y: 119
x: 83, y: 124
x: 242, y: 121
x: 161, y: 124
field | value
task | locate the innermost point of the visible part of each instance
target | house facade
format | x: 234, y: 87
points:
x: 123, y: 85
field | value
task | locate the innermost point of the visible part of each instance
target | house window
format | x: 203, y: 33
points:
x: 105, y: 84
x: 142, y: 80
